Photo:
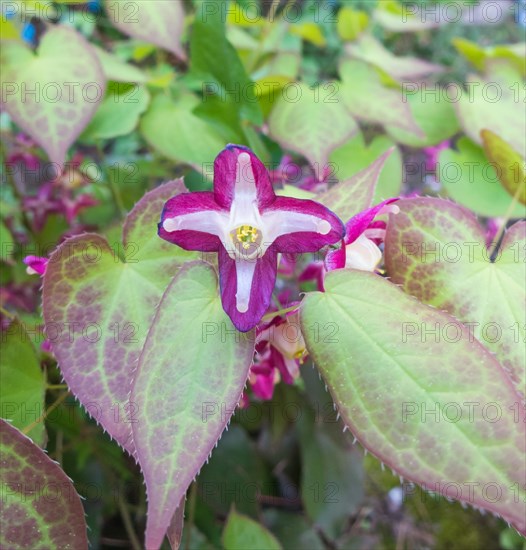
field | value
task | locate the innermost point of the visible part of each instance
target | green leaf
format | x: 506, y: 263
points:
x: 354, y: 156
x: 490, y: 105
x: 368, y: 48
x: 215, y: 62
x: 368, y: 99
x: 351, y: 196
x: 117, y: 70
x: 40, y: 508
x: 118, y: 114
x: 313, y: 125
x: 243, y: 533
x: 292, y: 530
x: 248, y: 476
x: 159, y: 22
x: 185, y: 398
x: 351, y: 23
x: 394, y: 17
x: 166, y: 122
x: 434, y: 114
x: 331, y: 476
x: 436, y: 250
x: 68, y: 85
x: 509, y: 163
x: 471, y: 180
x: 22, y: 386
x: 98, y: 308
x: 407, y: 397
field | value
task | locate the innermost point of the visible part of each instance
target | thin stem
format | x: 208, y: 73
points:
x: 505, y: 221
x: 7, y: 313
x: 270, y: 316
x: 56, y: 386
x: 126, y: 519
x: 43, y: 416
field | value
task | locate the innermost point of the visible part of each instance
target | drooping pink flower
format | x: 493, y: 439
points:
x: 36, y: 265
x: 363, y: 233
x: 280, y: 350
x: 247, y: 225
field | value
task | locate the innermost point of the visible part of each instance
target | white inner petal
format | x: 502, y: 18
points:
x: 244, y: 209
x: 207, y: 221
x: 245, y: 270
x: 282, y: 222
x: 362, y: 254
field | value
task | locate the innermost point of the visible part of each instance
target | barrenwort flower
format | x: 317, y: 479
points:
x: 248, y: 225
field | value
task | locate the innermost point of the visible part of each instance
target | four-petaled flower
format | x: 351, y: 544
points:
x: 248, y: 225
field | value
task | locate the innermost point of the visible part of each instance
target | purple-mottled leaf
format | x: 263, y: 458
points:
x: 368, y: 48
x: 159, y: 22
x: 52, y: 94
x: 441, y: 411
x: 22, y: 382
x: 191, y: 373
x: 365, y: 96
x: 312, y: 123
x: 355, y: 194
x: 437, y: 251
x: 40, y: 508
x: 98, y: 309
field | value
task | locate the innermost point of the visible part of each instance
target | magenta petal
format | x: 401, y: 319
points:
x: 37, y: 263
x: 225, y: 166
x: 263, y: 387
x: 187, y: 203
x: 306, y: 241
x: 359, y: 223
x: 261, y: 290
x: 335, y: 259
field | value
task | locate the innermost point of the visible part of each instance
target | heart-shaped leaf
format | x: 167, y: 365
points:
x: 368, y: 48
x: 435, y: 116
x: 354, y: 156
x: 441, y: 411
x: 52, y: 95
x: 159, y: 22
x: 23, y: 384
x: 472, y: 181
x: 437, y: 251
x: 492, y: 105
x: 118, y: 114
x: 191, y: 374
x: 97, y: 309
x: 509, y: 163
x: 40, y: 508
x: 351, y: 196
x: 368, y: 99
x: 167, y: 121
x: 312, y: 122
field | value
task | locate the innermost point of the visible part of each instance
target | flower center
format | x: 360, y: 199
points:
x: 247, y: 241
x: 246, y: 235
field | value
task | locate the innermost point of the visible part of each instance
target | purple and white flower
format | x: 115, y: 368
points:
x: 248, y: 225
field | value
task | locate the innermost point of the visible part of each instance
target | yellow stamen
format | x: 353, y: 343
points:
x: 246, y: 235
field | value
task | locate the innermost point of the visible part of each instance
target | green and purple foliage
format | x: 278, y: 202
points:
x: 350, y: 276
